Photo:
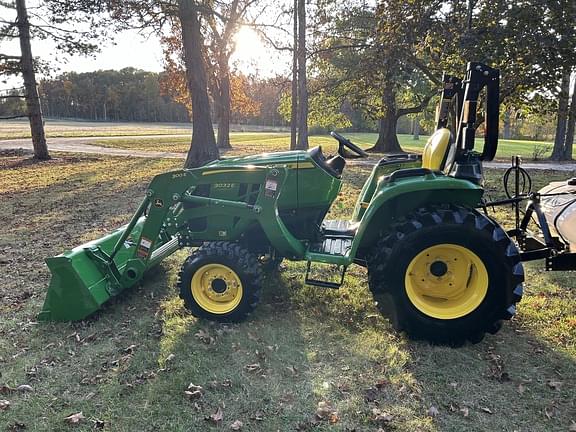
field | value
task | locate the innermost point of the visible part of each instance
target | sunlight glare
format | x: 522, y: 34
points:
x: 251, y: 55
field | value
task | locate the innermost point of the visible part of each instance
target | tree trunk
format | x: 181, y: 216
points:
x: 294, y: 106
x: 32, y: 97
x: 506, y: 131
x: 223, y: 107
x: 415, y: 129
x: 203, y: 145
x: 558, y: 151
x: 569, y: 141
x: 387, y: 140
x: 302, y: 84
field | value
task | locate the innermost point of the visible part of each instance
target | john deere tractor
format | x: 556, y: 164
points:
x: 437, y: 266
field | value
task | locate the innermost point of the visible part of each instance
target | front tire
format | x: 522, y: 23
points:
x: 446, y: 275
x: 220, y: 281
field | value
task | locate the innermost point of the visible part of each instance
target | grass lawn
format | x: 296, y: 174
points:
x: 69, y: 128
x: 250, y: 142
x: 126, y: 369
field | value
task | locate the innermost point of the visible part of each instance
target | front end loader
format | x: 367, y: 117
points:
x: 437, y: 266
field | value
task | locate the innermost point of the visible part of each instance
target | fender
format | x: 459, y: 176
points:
x: 396, y: 197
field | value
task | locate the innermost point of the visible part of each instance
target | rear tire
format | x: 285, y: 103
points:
x: 220, y: 281
x: 446, y: 274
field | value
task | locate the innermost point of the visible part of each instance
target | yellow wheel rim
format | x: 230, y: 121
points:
x: 216, y: 288
x: 446, y: 281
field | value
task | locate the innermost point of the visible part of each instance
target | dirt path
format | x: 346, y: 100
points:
x: 82, y: 145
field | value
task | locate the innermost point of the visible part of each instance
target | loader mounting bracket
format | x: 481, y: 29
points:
x: 106, y: 264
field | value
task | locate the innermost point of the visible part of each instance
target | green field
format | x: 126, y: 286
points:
x: 250, y: 142
x: 126, y: 369
x: 256, y: 139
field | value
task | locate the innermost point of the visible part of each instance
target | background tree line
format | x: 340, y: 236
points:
x: 354, y: 62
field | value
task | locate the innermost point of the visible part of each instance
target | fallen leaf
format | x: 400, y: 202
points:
x: 216, y: 417
x: 465, y: 411
x: 16, y: 426
x: 325, y: 411
x: 486, y: 410
x: 4, y: 404
x: 521, y: 388
x: 556, y: 385
x: 381, y: 417
x: 170, y: 357
x: 193, y: 395
x: 204, y: 336
x: 380, y: 384
x: 98, y: 424
x: 548, y: 412
x: 453, y: 384
x: 293, y: 370
x: 4, y: 389
x: 253, y: 367
x: 193, y: 388
x: 258, y: 416
x: 24, y: 388
x: 572, y: 427
x: 75, y: 418
x: 236, y: 425
x: 433, y: 411
x: 130, y: 349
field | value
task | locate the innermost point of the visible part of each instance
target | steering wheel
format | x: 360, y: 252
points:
x: 345, y: 142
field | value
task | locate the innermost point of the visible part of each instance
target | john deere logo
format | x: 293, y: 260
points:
x: 158, y: 203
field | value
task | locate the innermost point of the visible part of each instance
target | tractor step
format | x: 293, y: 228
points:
x: 333, y: 245
x: 339, y: 228
x: 322, y: 283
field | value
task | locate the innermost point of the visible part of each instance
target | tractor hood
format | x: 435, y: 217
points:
x: 288, y: 157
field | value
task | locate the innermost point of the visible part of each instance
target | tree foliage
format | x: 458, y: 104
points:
x: 126, y: 95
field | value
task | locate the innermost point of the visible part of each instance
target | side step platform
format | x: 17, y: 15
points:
x: 333, y: 247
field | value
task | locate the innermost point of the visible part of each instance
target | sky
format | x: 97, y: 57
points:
x: 131, y: 49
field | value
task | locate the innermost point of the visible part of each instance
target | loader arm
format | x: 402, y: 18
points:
x: 87, y: 276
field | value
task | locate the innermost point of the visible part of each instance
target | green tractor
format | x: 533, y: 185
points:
x: 438, y: 267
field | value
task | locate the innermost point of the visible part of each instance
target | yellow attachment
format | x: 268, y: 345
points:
x: 216, y: 288
x: 446, y: 281
x: 436, y: 150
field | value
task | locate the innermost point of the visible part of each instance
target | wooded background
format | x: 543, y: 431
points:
x: 356, y: 66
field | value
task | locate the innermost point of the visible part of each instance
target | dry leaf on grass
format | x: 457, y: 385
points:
x: 4, y: 404
x: 24, y: 388
x: 75, y: 418
x: 16, y: 426
x: 433, y: 411
x: 130, y: 349
x: 553, y: 384
x: 572, y: 427
x: 4, y: 389
x: 381, y: 417
x: 216, y: 417
x: 204, y: 336
x: 486, y: 410
x: 193, y: 395
x: 236, y: 425
x: 465, y: 411
x: 255, y: 367
x: 194, y: 392
x: 258, y: 416
x: 325, y: 411
x: 98, y: 424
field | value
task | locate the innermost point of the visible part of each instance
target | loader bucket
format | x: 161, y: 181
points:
x: 78, y: 286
